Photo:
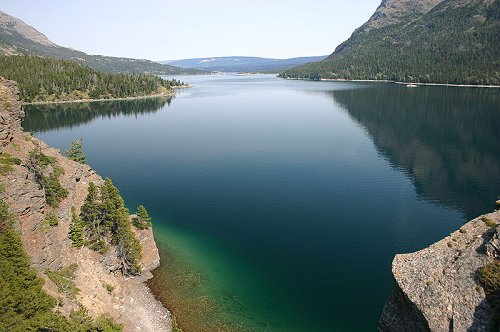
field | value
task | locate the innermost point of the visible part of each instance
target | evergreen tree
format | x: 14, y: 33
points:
x: 113, y: 206
x: 142, y: 219
x: 116, y: 216
x: 22, y: 301
x: 107, y: 220
x: 76, y: 229
x: 75, y: 151
x: 24, y: 306
x: 91, y: 215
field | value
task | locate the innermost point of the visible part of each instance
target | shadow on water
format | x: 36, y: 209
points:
x: 445, y: 139
x: 40, y: 118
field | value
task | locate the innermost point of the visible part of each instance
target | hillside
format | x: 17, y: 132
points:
x: 65, y: 268
x: 426, y: 41
x: 243, y: 63
x: 19, y: 38
x: 47, y: 80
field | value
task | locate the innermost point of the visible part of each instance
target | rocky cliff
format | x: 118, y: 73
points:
x: 439, y: 289
x: 102, y: 288
x: 393, y: 11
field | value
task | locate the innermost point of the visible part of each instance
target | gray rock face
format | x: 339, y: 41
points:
x: 11, y: 112
x: 437, y: 288
x: 393, y: 11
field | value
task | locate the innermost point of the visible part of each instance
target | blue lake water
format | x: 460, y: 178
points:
x: 279, y: 205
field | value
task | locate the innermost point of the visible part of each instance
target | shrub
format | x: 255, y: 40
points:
x: 109, y: 288
x: 489, y: 277
x: 39, y: 164
x: 51, y: 219
x: 488, y: 222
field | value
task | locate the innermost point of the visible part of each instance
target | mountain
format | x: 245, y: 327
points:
x: 427, y: 41
x: 242, y: 63
x: 19, y: 38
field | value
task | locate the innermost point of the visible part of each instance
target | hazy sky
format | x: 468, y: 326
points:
x: 164, y: 30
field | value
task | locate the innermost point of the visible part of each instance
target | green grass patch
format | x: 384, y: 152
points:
x: 63, y: 279
x: 109, y: 288
x: 6, y: 163
x: 16, y: 147
x: 51, y: 219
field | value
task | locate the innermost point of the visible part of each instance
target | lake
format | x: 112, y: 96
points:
x: 278, y: 205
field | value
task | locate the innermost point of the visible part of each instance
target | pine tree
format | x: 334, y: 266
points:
x: 142, y: 219
x: 91, y: 215
x: 76, y: 229
x: 75, y: 151
x: 113, y: 206
x: 116, y: 216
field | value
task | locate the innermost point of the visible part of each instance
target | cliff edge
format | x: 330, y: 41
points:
x: 101, y: 287
x: 438, y: 288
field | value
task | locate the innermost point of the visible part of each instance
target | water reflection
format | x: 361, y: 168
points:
x: 445, y: 139
x: 40, y: 118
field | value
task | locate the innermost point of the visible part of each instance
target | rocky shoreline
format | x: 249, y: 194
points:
x: 438, y: 288
x: 102, y: 289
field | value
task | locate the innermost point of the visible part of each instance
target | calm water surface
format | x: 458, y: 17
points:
x: 279, y: 205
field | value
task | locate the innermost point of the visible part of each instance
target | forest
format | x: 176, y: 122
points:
x: 456, y: 45
x: 45, y: 80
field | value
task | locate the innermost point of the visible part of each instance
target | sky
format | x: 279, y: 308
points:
x: 171, y: 30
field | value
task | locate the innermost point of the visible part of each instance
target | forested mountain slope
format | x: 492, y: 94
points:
x: 47, y: 80
x: 243, y: 63
x: 426, y: 41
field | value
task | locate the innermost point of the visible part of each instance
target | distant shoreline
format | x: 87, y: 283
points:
x: 400, y: 83
x: 158, y: 95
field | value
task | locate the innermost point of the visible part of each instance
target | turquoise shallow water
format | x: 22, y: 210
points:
x: 278, y: 205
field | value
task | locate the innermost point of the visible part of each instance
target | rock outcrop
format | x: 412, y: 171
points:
x: 438, y: 288
x: 103, y: 289
x: 393, y: 11
x: 11, y: 113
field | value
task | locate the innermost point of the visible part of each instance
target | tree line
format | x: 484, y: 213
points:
x: 46, y: 79
x: 454, y: 45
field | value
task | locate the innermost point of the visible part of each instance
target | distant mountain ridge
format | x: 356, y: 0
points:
x: 242, y: 63
x: 19, y: 38
x: 427, y: 41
